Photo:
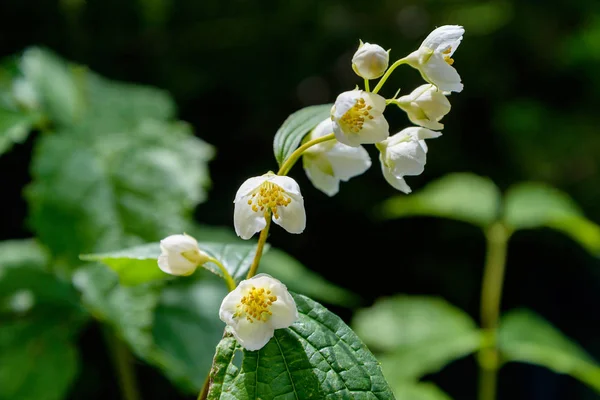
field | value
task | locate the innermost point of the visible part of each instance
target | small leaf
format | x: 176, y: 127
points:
x: 526, y: 337
x: 14, y: 128
x: 460, y: 196
x: 22, y: 253
x: 318, y: 357
x: 418, y: 391
x: 416, y: 335
x: 535, y: 205
x: 300, y: 279
x: 295, y: 127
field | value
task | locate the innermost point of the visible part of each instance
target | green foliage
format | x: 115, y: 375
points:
x: 419, y: 391
x: 14, y: 128
x: 526, y: 337
x: 298, y: 124
x: 461, y: 196
x: 415, y: 335
x: 318, y: 357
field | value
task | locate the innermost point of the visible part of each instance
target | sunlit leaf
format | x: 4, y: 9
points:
x: 416, y: 335
x: 318, y: 357
x: 14, y: 128
x: 536, y: 205
x: 298, y: 124
x: 526, y: 337
x: 461, y: 196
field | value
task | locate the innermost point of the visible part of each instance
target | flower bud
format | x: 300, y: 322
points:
x: 370, y: 61
x: 425, y: 106
x: 180, y: 255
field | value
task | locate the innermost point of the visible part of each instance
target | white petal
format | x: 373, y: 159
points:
x: 252, y: 336
x: 229, y: 306
x: 245, y: 220
x: 374, y: 100
x: 175, y: 264
x: 323, y: 181
x: 249, y: 185
x: 324, y: 127
x: 444, y: 37
x: 348, y: 162
x: 286, y: 183
x: 423, y: 133
x: 441, y: 74
x: 426, y: 123
x: 395, y: 182
x: 407, y: 158
x: 374, y: 130
x: 284, y: 310
x: 293, y: 217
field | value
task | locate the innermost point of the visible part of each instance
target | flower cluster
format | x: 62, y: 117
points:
x: 331, y: 152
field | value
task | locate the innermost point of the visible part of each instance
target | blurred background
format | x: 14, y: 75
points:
x: 237, y: 69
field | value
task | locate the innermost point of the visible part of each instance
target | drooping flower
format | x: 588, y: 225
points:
x: 404, y: 154
x: 434, y: 58
x: 256, y: 308
x: 328, y: 163
x: 425, y: 106
x: 180, y: 255
x: 370, y: 61
x: 358, y: 118
x: 264, y: 196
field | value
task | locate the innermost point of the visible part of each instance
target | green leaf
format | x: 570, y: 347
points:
x: 535, y: 205
x: 418, y: 391
x: 99, y: 193
x: 22, y: 253
x: 295, y: 127
x: 300, y: 279
x: 14, y: 128
x: 460, y: 196
x: 416, y: 335
x: 318, y: 357
x: 37, y: 361
x: 526, y: 337
x: 186, y: 329
x: 57, y: 84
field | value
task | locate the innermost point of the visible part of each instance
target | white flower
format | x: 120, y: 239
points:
x: 180, y: 255
x: 425, y: 106
x: 358, y: 118
x: 370, y: 61
x: 328, y: 163
x: 404, y: 154
x: 256, y: 308
x: 269, y: 193
x: 434, y: 58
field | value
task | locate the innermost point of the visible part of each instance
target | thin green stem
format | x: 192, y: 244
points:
x: 204, y: 392
x: 291, y: 160
x: 491, y: 294
x: 262, y: 239
x: 228, y: 279
x: 388, y: 73
x: 367, y: 85
x: 123, y: 362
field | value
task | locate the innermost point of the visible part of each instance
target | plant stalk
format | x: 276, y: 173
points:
x: 123, y: 363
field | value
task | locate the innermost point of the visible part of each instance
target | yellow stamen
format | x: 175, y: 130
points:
x: 268, y: 197
x: 447, y: 57
x: 256, y: 305
x: 354, y: 119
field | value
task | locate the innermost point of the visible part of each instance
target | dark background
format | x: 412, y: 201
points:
x: 529, y: 111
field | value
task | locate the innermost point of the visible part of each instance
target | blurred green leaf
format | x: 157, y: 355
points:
x: 14, y: 128
x: 526, y: 337
x: 37, y: 361
x: 535, y: 205
x: 187, y: 328
x: 116, y: 190
x: 460, y: 196
x: 480, y: 18
x: 416, y: 335
x: 300, y: 279
x: 22, y: 253
x: 57, y: 84
x: 290, y: 134
x: 317, y: 357
x: 418, y: 391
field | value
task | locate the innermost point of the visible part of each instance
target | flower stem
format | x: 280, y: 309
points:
x: 230, y: 282
x: 497, y: 237
x: 123, y: 362
x: 388, y: 73
x: 204, y: 392
x: 262, y: 239
x: 367, y: 86
x: 291, y: 160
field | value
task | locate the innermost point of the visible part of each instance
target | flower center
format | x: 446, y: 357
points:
x: 354, y: 119
x: 268, y: 197
x: 256, y: 305
x: 447, y: 57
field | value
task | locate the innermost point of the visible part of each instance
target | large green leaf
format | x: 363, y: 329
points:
x: 106, y: 192
x: 318, y: 357
x: 460, y: 196
x: 535, y: 205
x: 526, y: 337
x: 22, y: 253
x: 298, y: 124
x: 14, y: 127
x: 416, y: 335
x: 37, y: 360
